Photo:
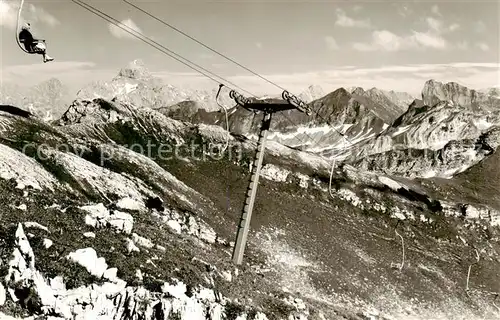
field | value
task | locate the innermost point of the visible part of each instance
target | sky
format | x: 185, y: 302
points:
x: 392, y: 45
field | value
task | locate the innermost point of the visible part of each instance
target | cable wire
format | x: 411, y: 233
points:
x: 165, y: 50
x: 222, y: 55
x: 201, y: 43
x: 117, y: 23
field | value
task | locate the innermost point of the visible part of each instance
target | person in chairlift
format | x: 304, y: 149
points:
x: 33, y: 45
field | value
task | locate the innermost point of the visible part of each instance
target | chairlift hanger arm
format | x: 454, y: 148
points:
x: 18, y: 27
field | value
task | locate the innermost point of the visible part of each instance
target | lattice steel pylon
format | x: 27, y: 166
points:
x: 268, y: 107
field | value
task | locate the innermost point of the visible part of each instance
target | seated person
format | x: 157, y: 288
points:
x: 33, y: 45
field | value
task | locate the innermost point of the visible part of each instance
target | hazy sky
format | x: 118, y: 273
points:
x: 392, y: 45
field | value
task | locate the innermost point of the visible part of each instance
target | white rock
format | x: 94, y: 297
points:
x: 88, y: 258
x: 22, y: 207
x: 99, y: 217
x: 260, y: 316
x: 3, y: 295
x: 174, y: 226
x: 303, y: 180
x: 47, y: 243
x: 110, y: 274
x: 350, y: 196
x: 143, y: 242
x: 131, y: 247
x: 43, y: 289
x: 97, y: 210
x: 472, y: 213
x: 397, y: 213
x: 20, y: 185
x: 24, y: 245
x: 57, y: 283
x: 130, y: 204
x: 299, y: 304
x: 176, y: 291
x: 390, y: 183
x: 121, y: 221
x: 35, y: 225
x: 138, y: 274
x: 89, y: 235
x: 12, y: 295
x: 227, y: 276
x: 495, y: 218
x: 274, y: 173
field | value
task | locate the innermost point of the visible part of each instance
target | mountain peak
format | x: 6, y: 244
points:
x: 434, y: 91
x: 358, y: 91
x: 313, y: 92
x: 135, y: 70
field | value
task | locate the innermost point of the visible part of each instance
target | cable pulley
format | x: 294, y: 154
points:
x: 296, y: 102
x: 239, y: 98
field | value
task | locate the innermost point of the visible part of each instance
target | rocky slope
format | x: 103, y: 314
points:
x: 93, y: 226
x: 118, y: 210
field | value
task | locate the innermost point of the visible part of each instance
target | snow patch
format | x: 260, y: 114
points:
x: 301, y: 130
x: 125, y: 88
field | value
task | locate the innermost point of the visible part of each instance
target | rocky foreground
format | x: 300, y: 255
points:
x: 99, y: 222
